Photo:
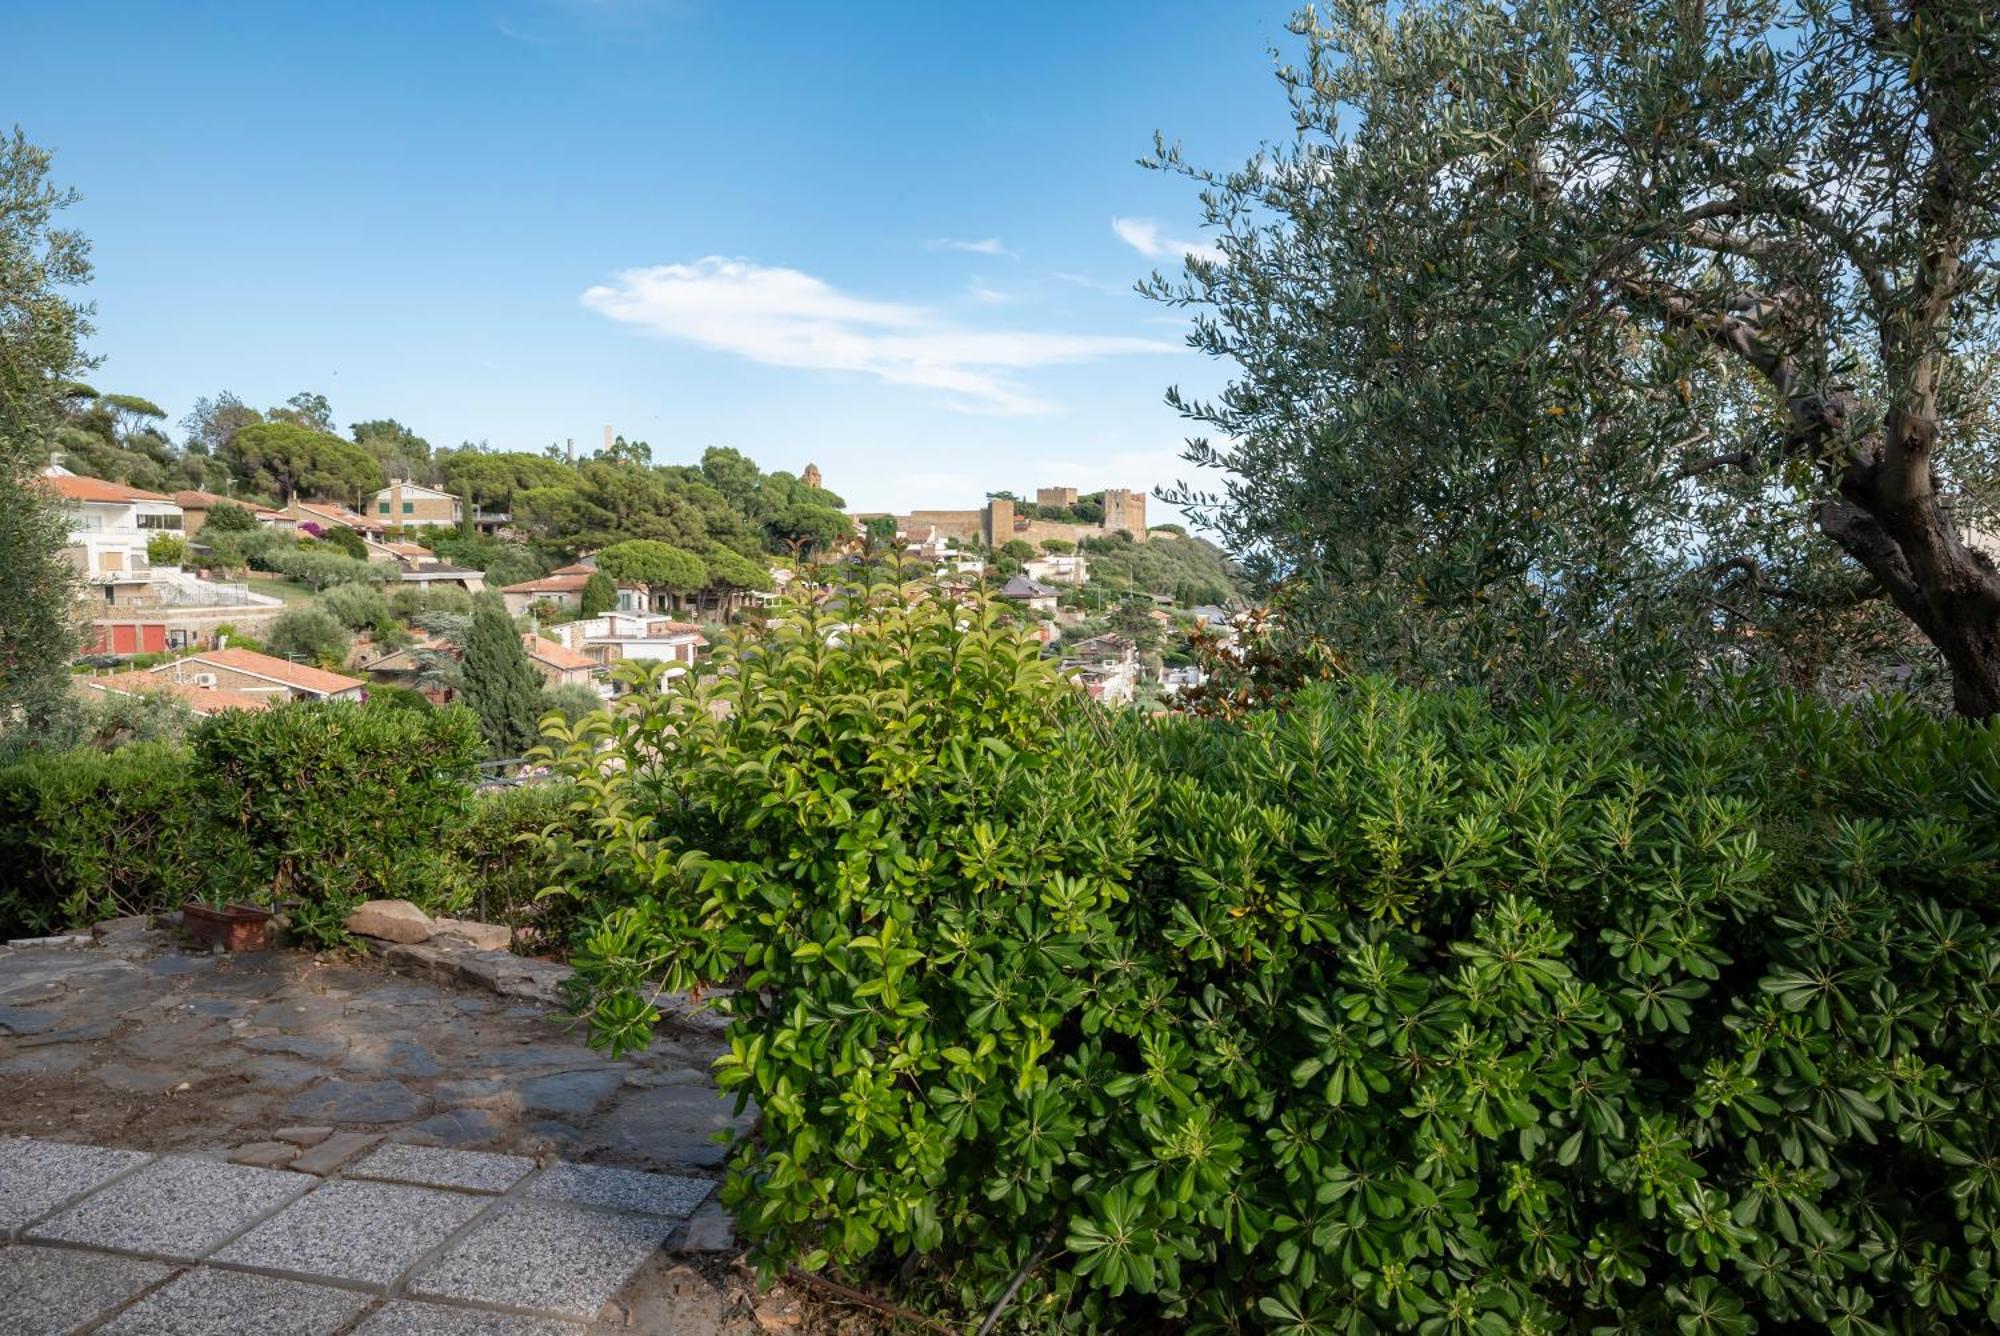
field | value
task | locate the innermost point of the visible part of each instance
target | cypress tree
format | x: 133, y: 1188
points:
x: 500, y: 685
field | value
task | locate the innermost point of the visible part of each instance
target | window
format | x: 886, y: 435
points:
x: 172, y: 521
x: 409, y: 507
x: 382, y: 508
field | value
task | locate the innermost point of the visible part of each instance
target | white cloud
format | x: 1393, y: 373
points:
x: 985, y: 246
x: 782, y: 317
x: 1144, y: 235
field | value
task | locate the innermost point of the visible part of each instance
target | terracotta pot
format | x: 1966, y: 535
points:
x: 237, y: 928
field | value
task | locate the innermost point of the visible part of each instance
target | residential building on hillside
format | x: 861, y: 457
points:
x: 429, y: 575
x: 563, y: 588
x: 202, y: 700
x: 559, y: 665
x: 260, y: 675
x: 1071, y: 568
x: 133, y: 606
x: 1106, y: 667
x: 411, y: 505
x: 408, y: 668
x: 195, y: 506
x: 109, y: 527
x: 618, y: 636
x: 324, y: 515
x: 1031, y: 594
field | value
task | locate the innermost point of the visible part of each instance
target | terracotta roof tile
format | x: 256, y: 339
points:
x: 76, y: 487
x: 302, y: 676
x: 203, y: 700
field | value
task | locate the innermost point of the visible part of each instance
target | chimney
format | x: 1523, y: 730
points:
x: 607, y: 438
x: 569, y: 449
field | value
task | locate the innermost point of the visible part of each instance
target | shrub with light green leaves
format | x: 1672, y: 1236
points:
x: 1378, y: 1011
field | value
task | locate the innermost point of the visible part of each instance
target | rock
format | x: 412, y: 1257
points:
x: 122, y: 930
x: 303, y: 1136
x: 391, y: 921
x: 456, y: 1127
x: 696, y: 1018
x: 570, y: 1094
x: 343, y: 1101
x: 333, y: 1152
x: 264, y: 1154
x: 484, y: 936
x: 66, y: 939
x: 709, y: 1230
x: 19, y: 1020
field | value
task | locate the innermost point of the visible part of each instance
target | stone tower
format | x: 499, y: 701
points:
x: 1055, y: 496
x: 1125, y: 510
x: 999, y: 525
x: 812, y: 475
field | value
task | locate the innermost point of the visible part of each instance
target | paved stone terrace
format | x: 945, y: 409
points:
x: 139, y: 1045
x: 394, y: 1240
x: 271, y: 1143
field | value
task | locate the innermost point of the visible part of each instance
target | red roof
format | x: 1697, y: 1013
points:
x: 203, y: 700
x: 194, y: 500
x: 548, y: 651
x: 334, y: 511
x: 549, y: 584
x: 76, y: 487
x: 301, y: 676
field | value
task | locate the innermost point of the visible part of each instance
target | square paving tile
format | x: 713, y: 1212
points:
x: 174, y: 1207
x: 621, y: 1189
x: 436, y: 1167
x: 549, y: 1259
x: 233, y: 1303
x: 45, y: 1291
x: 368, y: 1233
x: 405, y: 1318
x: 38, y: 1176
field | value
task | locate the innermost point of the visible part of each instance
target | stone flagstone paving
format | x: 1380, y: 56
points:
x: 275, y: 1144
x: 177, y: 1245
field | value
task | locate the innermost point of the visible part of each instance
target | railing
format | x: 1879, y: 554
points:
x: 495, y: 774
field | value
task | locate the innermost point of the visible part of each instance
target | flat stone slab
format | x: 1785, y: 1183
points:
x: 208, y: 1303
x: 434, y: 1166
x: 408, y: 1318
x: 367, y: 1233
x: 49, y: 1291
x: 621, y: 1189
x: 174, y: 1207
x: 343, y: 1101
x: 547, y: 1259
x: 38, y: 1176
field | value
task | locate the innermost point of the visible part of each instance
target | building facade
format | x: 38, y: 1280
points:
x: 410, y: 504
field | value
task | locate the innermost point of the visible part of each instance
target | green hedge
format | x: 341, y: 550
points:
x: 334, y: 804
x: 314, y: 803
x: 1380, y: 1011
x: 89, y: 835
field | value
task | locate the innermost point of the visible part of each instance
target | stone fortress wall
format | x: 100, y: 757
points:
x: 997, y: 523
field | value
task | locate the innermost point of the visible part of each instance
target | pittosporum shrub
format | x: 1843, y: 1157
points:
x: 87, y: 835
x: 1375, y: 1011
x: 336, y: 802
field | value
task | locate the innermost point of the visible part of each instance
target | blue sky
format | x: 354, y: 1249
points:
x: 895, y: 239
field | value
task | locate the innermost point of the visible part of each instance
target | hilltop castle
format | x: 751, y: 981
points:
x: 997, y: 523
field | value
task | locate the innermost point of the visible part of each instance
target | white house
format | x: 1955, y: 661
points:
x: 1071, y: 568
x: 109, y: 525
x: 617, y: 636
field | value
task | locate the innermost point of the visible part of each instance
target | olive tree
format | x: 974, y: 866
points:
x: 1607, y: 337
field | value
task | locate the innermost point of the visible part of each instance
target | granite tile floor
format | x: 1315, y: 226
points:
x: 395, y: 1240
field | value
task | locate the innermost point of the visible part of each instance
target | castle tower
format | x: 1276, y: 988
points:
x: 1055, y: 496
x: 1125, y: 510
x: 998, y: 528
x: 811, y: 475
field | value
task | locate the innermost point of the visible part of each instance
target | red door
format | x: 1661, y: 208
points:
x: 125, y: 639
x: 153, y: 638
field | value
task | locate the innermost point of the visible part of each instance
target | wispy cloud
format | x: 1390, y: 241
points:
x: 984, y: 246
x: 1144, y: 235
x: 783, y: 317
